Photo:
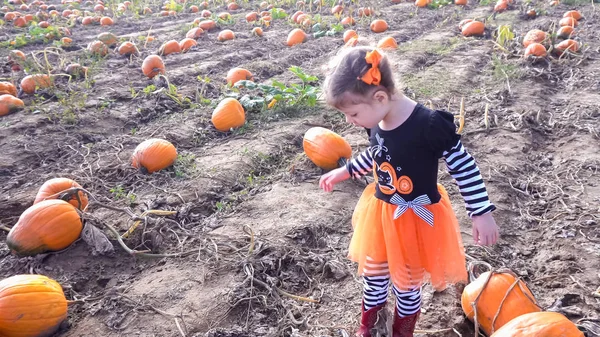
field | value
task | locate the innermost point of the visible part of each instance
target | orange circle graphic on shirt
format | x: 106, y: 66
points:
x: 405, y: 185
x: 386, y: 178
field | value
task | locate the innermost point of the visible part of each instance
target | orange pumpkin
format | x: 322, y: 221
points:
x: 364, y: 11
x: 565, y: 32
x: 169, y: 47
x: 228, y: 114
x: 257, y: 31
x: 464, y: 22
x: 194, y: 33
x: 348, y: 21
x: 570, y: 45
x: 107, y: 38
x: 32, y: 306
x: 153, y: 65
x: 497, y: 296
x: 535, y: 49
x: 106, y: 21
x: 501, y: 6
x: 350, y: 33
x: 534, y: 36
x: 296, y: 36
x: 539, y: 324
x: 325, y: 148
x: 460, y: 2
x: 337, y: 9
x: 238, y: 74
x: 473, y: 28
x: 7, y: 88
x: 225, y: 35
x: 295, y: 16
x: 49, y: 225
x: 568, y: 21
x: 205, y: 14
x: 421, y: 3
x: 52, y: 189
x: 378, y: 26
x: 251, y: 17
x: 97, y: 48
x: 30, y: 83
x: 233, y: 6
x: 194, y: 9
x: 187, y: 43
x: 207, y: 25
x: 153, y: 155
x: 224, y: 16
x: 76, y: 69
x: 128, y: 48
x: 387, y: 43
x: 573, y: 14
x: 10, y: 103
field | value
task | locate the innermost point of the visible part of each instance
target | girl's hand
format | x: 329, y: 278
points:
x: 329, y: 179
x: 485, y: 230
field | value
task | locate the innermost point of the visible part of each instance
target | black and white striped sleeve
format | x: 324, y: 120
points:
x: 360, y: 165
x: 462, y: 167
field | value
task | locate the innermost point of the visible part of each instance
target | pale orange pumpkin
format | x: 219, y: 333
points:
x: 153, y: 155
x: 378, y: 26
x: 238, y: 74
x: 567, y: 45
x: 464, y: 22
x: 539, y: 324
x: 325, y: 148
x: 534, y: 36
x: 7, y: 88
x: 30, y: 83
x: 194, y: 33
x: 228, y: 114
x: 573, y: 14
x: 257, y: 31
x: 225, y: 35
x: 348, y: 21
x: 421, y: 3
x: 387, y: 43
x: 9, y: 104
x: 187, y: 43
x: 128, y: 48
x: 565, y: 32
x: 473, y: 28
x: 207, y: 25
x: 568, y: 21
x: 53, y: 188
x: 251, y: 17
x: 97, y: 48
x: 31, y: 306
x: 49, y: 225
x: 497, y: 297
x: 106, y: 21
x: 169, y: 47
x: 153, y: 65
x: 535, y: 49
x: 350, y: 33
x: 107, y: 38
x: 296, y: 36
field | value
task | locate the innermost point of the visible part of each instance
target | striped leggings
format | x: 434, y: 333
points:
x: 376, y: 292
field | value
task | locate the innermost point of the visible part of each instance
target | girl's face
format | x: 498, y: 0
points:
x: 366, y: 112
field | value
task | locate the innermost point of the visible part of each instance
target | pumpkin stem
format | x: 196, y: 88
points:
x: 4, y: 228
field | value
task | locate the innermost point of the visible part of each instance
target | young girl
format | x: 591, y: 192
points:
x: 404, y: 227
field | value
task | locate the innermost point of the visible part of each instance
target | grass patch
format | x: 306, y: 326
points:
x: 439, y: 47
x: 502, y: 69
x: 427, y: 85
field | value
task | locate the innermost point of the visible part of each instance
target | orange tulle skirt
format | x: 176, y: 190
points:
x: 408, y: 248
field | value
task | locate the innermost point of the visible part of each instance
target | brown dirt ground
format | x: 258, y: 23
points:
x: 248, y: 203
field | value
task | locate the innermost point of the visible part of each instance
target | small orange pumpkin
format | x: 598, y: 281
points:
x: 97, y: 48
x: 387, y: 43
x: 464, y: 22
x: 194, y: 33
x: 473, y: 28
x: 337, y: 9
x: 224, y: 16
x: 153, y: 65
x: 251, y: 17
x: 205, y: 13
x: 233, y: 6
x: 350, y: 33
x: 325, y: 148
x: 32, y: 305
x: 51, y: 189
x: 30, y: 83
x: 228, y: 114
x: 257, y: 31
x: 568, y: 21
x: 128, y: 48
x: 573, y: 14
x: 565, y: 32
x: 169, y: 47
x: 568, y: 44
x: 535, y: 49
x: 49, y: 225
x: 348, y: 21
x: 365, y: 11
x: 7, y: 88
x: 516, y: 300
x: 378, y: 26
x: 539, y: 324
x: 76, y: 69
x: 9, y: 104
x: 107, y: 38
x: 294, y: 16
x: 225, y: 35
x: 501, y: 6
x: 534, y: 36
x: 186, y: 44
x: 421, y: 3
x: 106, y: 21
x: 153, y: 155
x: 207, y: 25
x: 238, y: 74
x: 460, y: 2
x: 296, y: 36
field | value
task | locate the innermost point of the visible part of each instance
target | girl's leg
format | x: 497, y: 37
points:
x: 408, y: 308
x: 376, y: 282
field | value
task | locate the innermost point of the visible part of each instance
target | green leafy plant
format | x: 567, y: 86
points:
x: 435, y: 4
x: 278, y: 13
x: 504, y: 36
x: 278, y: 93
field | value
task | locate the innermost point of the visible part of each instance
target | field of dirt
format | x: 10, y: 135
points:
x: 259, y: 249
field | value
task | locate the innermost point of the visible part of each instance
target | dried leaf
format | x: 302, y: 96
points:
x: 96, y: 239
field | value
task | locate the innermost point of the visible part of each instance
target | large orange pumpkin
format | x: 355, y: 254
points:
x: 473, y: 28
x: 30, y: 83
x: 49, y: 225
x: 296, y: 36
x: 378, y: 26
x: 9, y: 103
x: 502, y: 298
x: 55, y: 186
x: 7, y: 88
x: 539, y: 324
x: 154, y: 155
x: 153, y: 65
x: 31, y: 306
x: 228, y: 114
x: 534, y: 36
x: 325, y: 148
x: 238, y: 74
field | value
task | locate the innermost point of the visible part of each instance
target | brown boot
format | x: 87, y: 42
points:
x: 368, y: 319
x: 405, y: 326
